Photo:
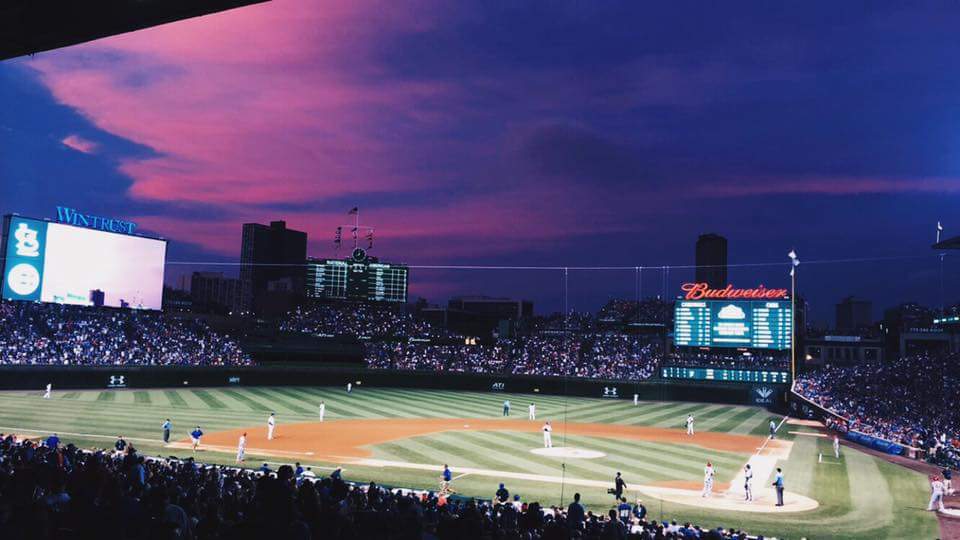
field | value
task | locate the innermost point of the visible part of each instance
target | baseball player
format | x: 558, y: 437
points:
x: 836, y: 447
x: 547, y: 439
x: 166, y: 427
x: 506, y: 407
x: 532, y: 412
x: 349, y: 387
x: 636, y: 400
x: 773, y: 429
x: 707, y: 480
x: 689, y: 424
x: 323, y: 409
x: 46, y: 395
x: 947, y: 481
x: 447, y: 479
x: 271, y: 425
x: 936, y: 494
x: 241, y: 447
x: 195, y: 436
x: 748, y: 483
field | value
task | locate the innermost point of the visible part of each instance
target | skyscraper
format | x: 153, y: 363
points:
x: 854, y: 314
x: 712, y: 260
x: 271, y: 256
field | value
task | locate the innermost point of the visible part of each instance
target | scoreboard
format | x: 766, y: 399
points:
x: 359, y: 277
x: 735, y: 324
x: 726, y: 375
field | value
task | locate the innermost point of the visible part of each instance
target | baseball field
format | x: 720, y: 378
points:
x: 403, y: 437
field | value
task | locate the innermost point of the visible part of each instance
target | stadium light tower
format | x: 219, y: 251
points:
x: 794, y: 263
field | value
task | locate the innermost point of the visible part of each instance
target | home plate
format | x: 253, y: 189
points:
x: 568, y: 452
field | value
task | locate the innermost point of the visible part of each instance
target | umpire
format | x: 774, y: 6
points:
x: 166, y: 430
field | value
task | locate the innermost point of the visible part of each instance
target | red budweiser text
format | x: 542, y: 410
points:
x: 702, y: 291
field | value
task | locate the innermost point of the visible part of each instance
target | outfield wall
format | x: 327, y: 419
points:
x: 83, y: 377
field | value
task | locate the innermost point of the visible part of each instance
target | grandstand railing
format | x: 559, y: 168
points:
x: 911, y: 451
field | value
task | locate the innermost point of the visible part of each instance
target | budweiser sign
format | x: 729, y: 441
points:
x: 702, y: 291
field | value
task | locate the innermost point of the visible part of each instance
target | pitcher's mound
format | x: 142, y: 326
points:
x: 567, y: 452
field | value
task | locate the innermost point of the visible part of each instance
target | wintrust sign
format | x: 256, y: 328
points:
x: 90, y: 221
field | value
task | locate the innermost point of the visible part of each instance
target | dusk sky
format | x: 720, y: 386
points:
x: 518, y: 133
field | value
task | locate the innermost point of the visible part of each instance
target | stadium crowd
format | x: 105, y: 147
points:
x: 44, y: 334
x: 597, y: 356
x: 911, y: 400
x: 359, y: 320
x: 50, y: 491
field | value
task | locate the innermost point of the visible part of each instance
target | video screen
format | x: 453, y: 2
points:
x: 734, y: 324
x: 63, y: 264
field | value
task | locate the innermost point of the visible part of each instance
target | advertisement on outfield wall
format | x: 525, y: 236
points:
x: 63, y: 264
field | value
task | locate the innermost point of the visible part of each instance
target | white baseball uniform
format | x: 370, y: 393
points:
x: 936, y: 495
x: 46, y: 395
x: 690, y: 424
x: 748, y: 484
x: 836, y: 447
x: 271, y: 425
x: 349, y: 387
x: 707, y: 481
x: 323, y: 409
x: 241, y: 448
x: 533, y: 412
x: 547, y: 439
x: 636, y: 399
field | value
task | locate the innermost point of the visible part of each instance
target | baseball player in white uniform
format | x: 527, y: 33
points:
x: 46, y: 395
x: 748, y: 483
x: 707, y: 480
x: 323, y: 409
x: 936, y: 494
x: 689, y: 424
x: 636, y: 400
x: 836, y: 447
x: 532, y: 415
x: 349, y: 387
x: 241, y: 447
x: 271, y: 425
x: 547, y: 439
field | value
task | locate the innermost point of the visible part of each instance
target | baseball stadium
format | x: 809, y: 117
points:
x: 490, y: 271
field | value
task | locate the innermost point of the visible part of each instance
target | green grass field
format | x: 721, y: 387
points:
x: 860, y: 496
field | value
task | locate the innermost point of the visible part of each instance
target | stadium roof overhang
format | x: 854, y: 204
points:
x: 31, y: 26
x: 949, y: 243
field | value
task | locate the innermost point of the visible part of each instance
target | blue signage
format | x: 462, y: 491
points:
x: 26, y: 246
x: 72, y: 217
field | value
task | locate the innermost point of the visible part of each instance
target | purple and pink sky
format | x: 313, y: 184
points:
x: 537, y: 133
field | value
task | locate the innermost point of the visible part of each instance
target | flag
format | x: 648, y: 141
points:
x: 354, y: 210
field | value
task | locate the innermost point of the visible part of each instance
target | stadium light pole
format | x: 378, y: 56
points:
x: 794, y: 263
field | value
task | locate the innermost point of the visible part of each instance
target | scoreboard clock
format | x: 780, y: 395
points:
x: 358, y: 277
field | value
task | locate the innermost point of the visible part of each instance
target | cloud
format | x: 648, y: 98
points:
x: 80, y: 144
x: 829, y: 186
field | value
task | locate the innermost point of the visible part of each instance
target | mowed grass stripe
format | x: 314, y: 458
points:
x: 107, y: 396
x: 728, y: 417
x: 175, y: 399
x: 484, y: 447
x: 209, y: 400
x: 142, y: 398
x: 274, y: 397
x: 249, y: 402
x: 621, y: 412
x: 668, y: 453
x: 441, y: 406
x: 418, y: 407
x: 760, y: 418
x: 677, y: 412
x: 337, y: 404
x: 728, y: 424
x: 351, y: 404
x: 703, y: 413
x: 460, y: 452
x: 70, y: 395
x: 396, y: 451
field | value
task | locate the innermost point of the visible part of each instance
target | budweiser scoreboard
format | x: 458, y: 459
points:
x: 758, y: 318
x: 358, y: 277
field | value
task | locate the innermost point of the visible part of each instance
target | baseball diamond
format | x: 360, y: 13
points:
x: 403, y: 437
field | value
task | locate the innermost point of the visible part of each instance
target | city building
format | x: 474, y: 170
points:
x: 272, y: 267
x: 854, y: 314
x: 498, y: 308
x: 842, y: 350
x: 711, y: 260
x: 212, y: 292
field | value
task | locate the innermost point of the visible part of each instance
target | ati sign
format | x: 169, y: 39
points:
x: 763, y: 395
x: 498, y: 386
x: 90, y: 221
x: 702, y: 291
x: 117, y: 381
